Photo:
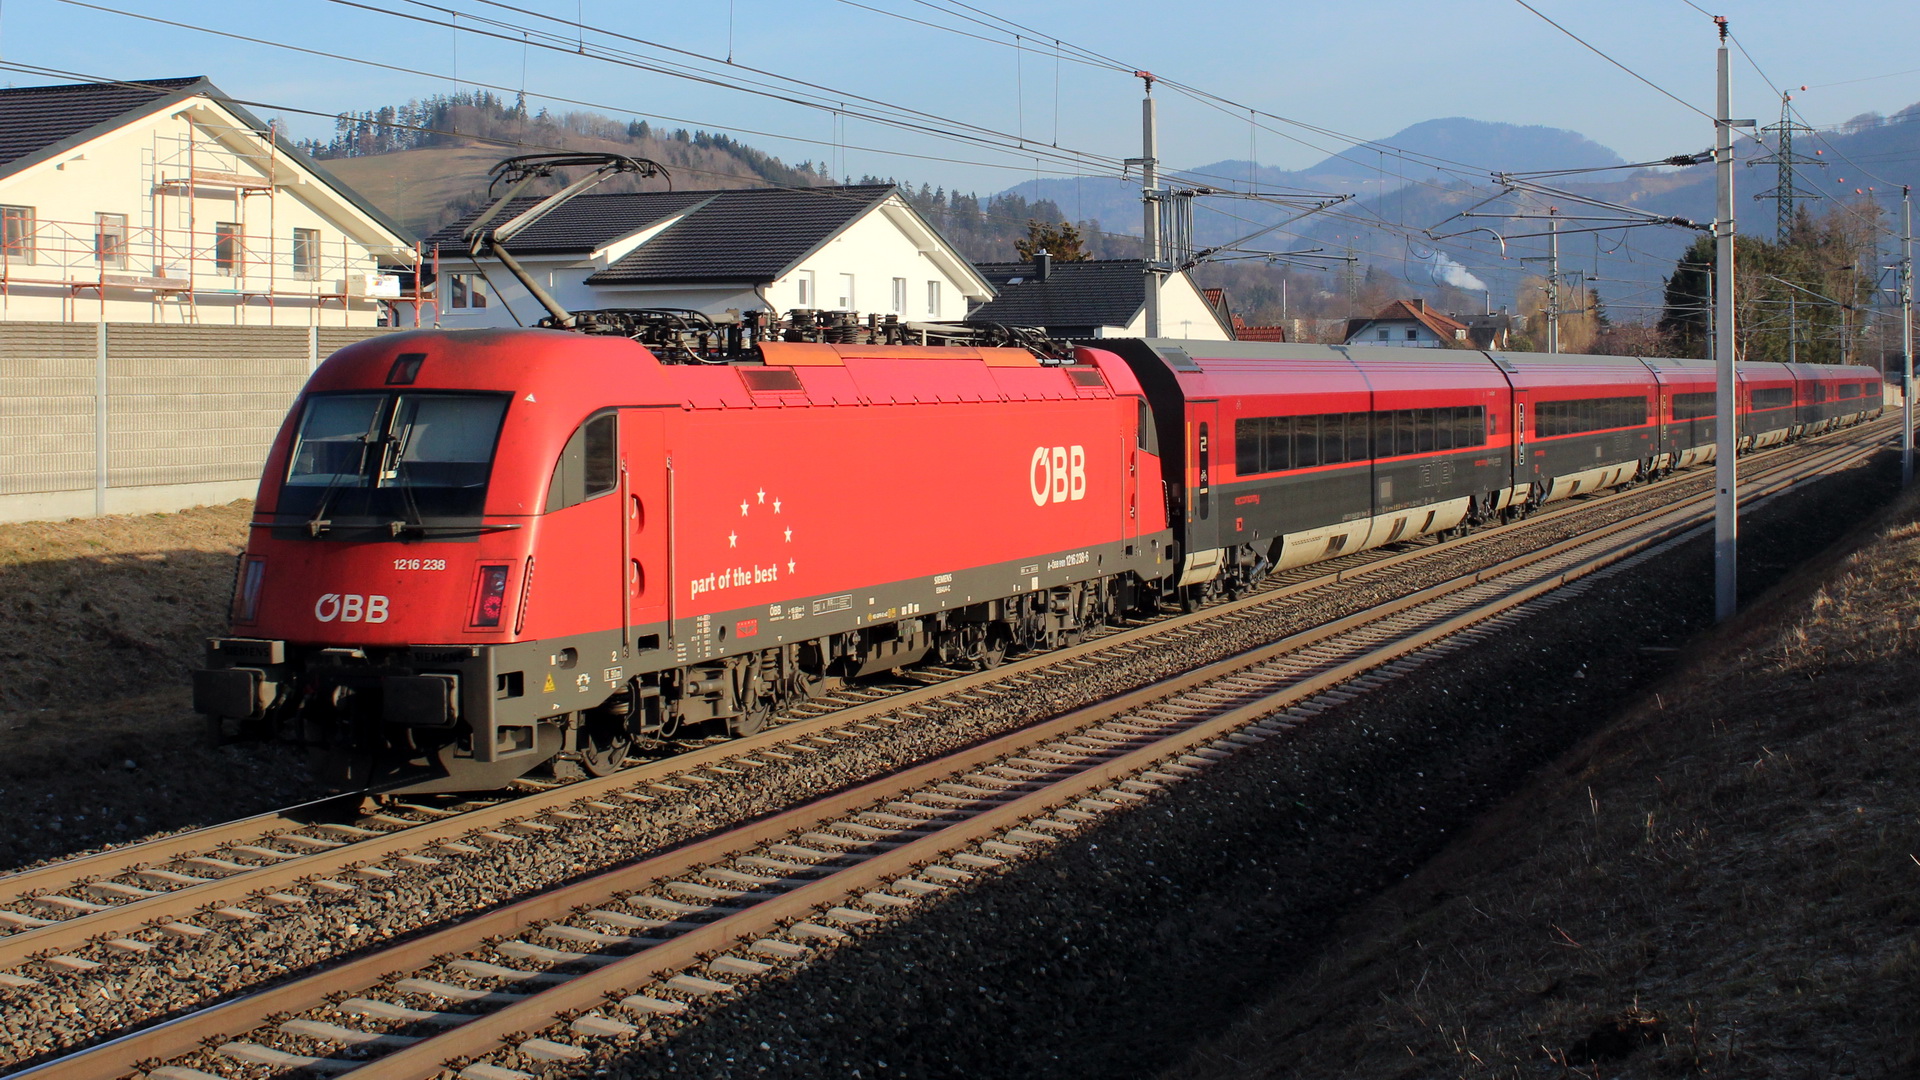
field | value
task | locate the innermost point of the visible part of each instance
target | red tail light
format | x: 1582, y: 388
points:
x: 490, y: 596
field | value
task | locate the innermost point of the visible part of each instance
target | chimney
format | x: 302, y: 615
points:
x: 1042, y: 265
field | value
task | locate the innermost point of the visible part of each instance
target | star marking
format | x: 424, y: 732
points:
x: 733, y: 540
x: 789, y: 536
x: 763, y: 494
x: 789, y: 566
x: 776, y: 506
x: 743, y: 508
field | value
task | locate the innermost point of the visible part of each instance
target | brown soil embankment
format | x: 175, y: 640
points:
x: 1723, y: 882
x: 100, y: 622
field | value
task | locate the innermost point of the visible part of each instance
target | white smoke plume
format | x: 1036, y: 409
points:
x: 1445, y: 269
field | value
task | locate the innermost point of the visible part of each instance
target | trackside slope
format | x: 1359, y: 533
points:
x: 100, y: 620
x: 1722, y: 882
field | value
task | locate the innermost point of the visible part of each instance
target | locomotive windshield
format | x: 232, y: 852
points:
x: 392, y: 459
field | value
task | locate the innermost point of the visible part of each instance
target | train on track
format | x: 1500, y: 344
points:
x: 475, y: 553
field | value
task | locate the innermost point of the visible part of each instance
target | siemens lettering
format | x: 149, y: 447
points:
x: 1057, y: 474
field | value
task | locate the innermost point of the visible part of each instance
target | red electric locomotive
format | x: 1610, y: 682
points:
x: 475, y: 550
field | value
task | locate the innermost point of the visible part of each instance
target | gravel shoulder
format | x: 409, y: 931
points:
x: 1304, y: 910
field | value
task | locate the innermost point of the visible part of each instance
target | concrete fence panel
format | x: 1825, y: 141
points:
x: 136, y: 418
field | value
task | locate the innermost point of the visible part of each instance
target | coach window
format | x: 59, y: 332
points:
x: 1279, y: 443
x: 1357, y: 425
x: 1306, y: 442
x: 589, y: 466
x: 1333, y: 439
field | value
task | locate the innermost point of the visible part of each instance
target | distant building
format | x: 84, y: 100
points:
x: 1097, y: 298
x: 163, y: 201
x: 1409, y: 324
x: 1491, y: 332
x: 1243, y: 332
x: 858, y: 248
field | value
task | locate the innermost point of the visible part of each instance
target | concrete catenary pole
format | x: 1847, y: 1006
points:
x: 1726, y: 510
x: 1150, y: 201
x: 1553, y: 279
x: 1906, y: 337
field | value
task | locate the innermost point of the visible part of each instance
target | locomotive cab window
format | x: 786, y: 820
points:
x: 589, y: 465
x: 384, y: 458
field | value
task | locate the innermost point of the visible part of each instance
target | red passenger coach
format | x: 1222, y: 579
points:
x: 476, y: 550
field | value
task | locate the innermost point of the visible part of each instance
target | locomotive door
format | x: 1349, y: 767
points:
x: 645, y: 529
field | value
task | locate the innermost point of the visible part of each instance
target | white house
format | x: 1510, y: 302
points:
x: 163, y: 201
x: 858, y: 248
x: 1097, y: 298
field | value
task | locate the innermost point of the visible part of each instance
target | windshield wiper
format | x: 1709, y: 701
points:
x: 398, y: 528
x: 318, y: 523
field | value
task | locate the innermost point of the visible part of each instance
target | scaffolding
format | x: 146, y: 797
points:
x: 180, y: 258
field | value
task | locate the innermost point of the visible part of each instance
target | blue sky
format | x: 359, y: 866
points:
x: 1366, y: 68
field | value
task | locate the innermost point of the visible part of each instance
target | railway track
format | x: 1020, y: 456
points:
x: 124, y: 900
x: 532, y: 980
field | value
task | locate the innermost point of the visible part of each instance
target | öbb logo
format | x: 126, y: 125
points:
x: 351, y: 607
x: 1057, y: 474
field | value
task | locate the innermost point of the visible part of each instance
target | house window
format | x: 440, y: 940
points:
x: 110, y: 239
x: 803, y: 281
x: 227, y: 251
x: 933, y: 299
x: 16, y: 233
x: 846, y: 292
x: 1413, y: 335
x: 1383, y: 335
x: 466, y: 291
x: 306, y: 254
x: 899, y: 296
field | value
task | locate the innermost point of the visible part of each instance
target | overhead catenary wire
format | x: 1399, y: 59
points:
x: 583, y: 103
x: 969, y: 133
x: 513, y: 144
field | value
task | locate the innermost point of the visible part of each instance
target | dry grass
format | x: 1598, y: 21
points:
x: 1725, y: 882
x: 92, y: 610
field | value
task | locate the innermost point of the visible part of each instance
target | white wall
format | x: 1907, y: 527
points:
x: 1423, y: 338
x: 1184, y: 313
x: 172, y: 235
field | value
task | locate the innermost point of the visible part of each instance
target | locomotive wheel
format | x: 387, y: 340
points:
x: 604, y: 748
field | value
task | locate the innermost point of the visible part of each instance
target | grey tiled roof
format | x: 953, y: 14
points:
x: 38, y: 118
x: 749, y: 234
x: 577, y: 226
x: 738, y: 235
x: 1104, y: 292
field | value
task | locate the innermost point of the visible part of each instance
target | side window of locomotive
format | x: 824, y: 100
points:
x: 1149, y: 439
x: 589, y: 466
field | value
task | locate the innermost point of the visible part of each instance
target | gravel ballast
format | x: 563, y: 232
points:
x: 1153, y: 931
x: 70, y: 1008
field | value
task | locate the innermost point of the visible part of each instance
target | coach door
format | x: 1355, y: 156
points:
x: 1203, y: 516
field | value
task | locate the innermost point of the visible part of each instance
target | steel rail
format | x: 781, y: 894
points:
x: 75, y: 931
x: 490, y: 1031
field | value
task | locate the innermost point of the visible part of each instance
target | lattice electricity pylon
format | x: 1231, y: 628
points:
x: 1786, y: 190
